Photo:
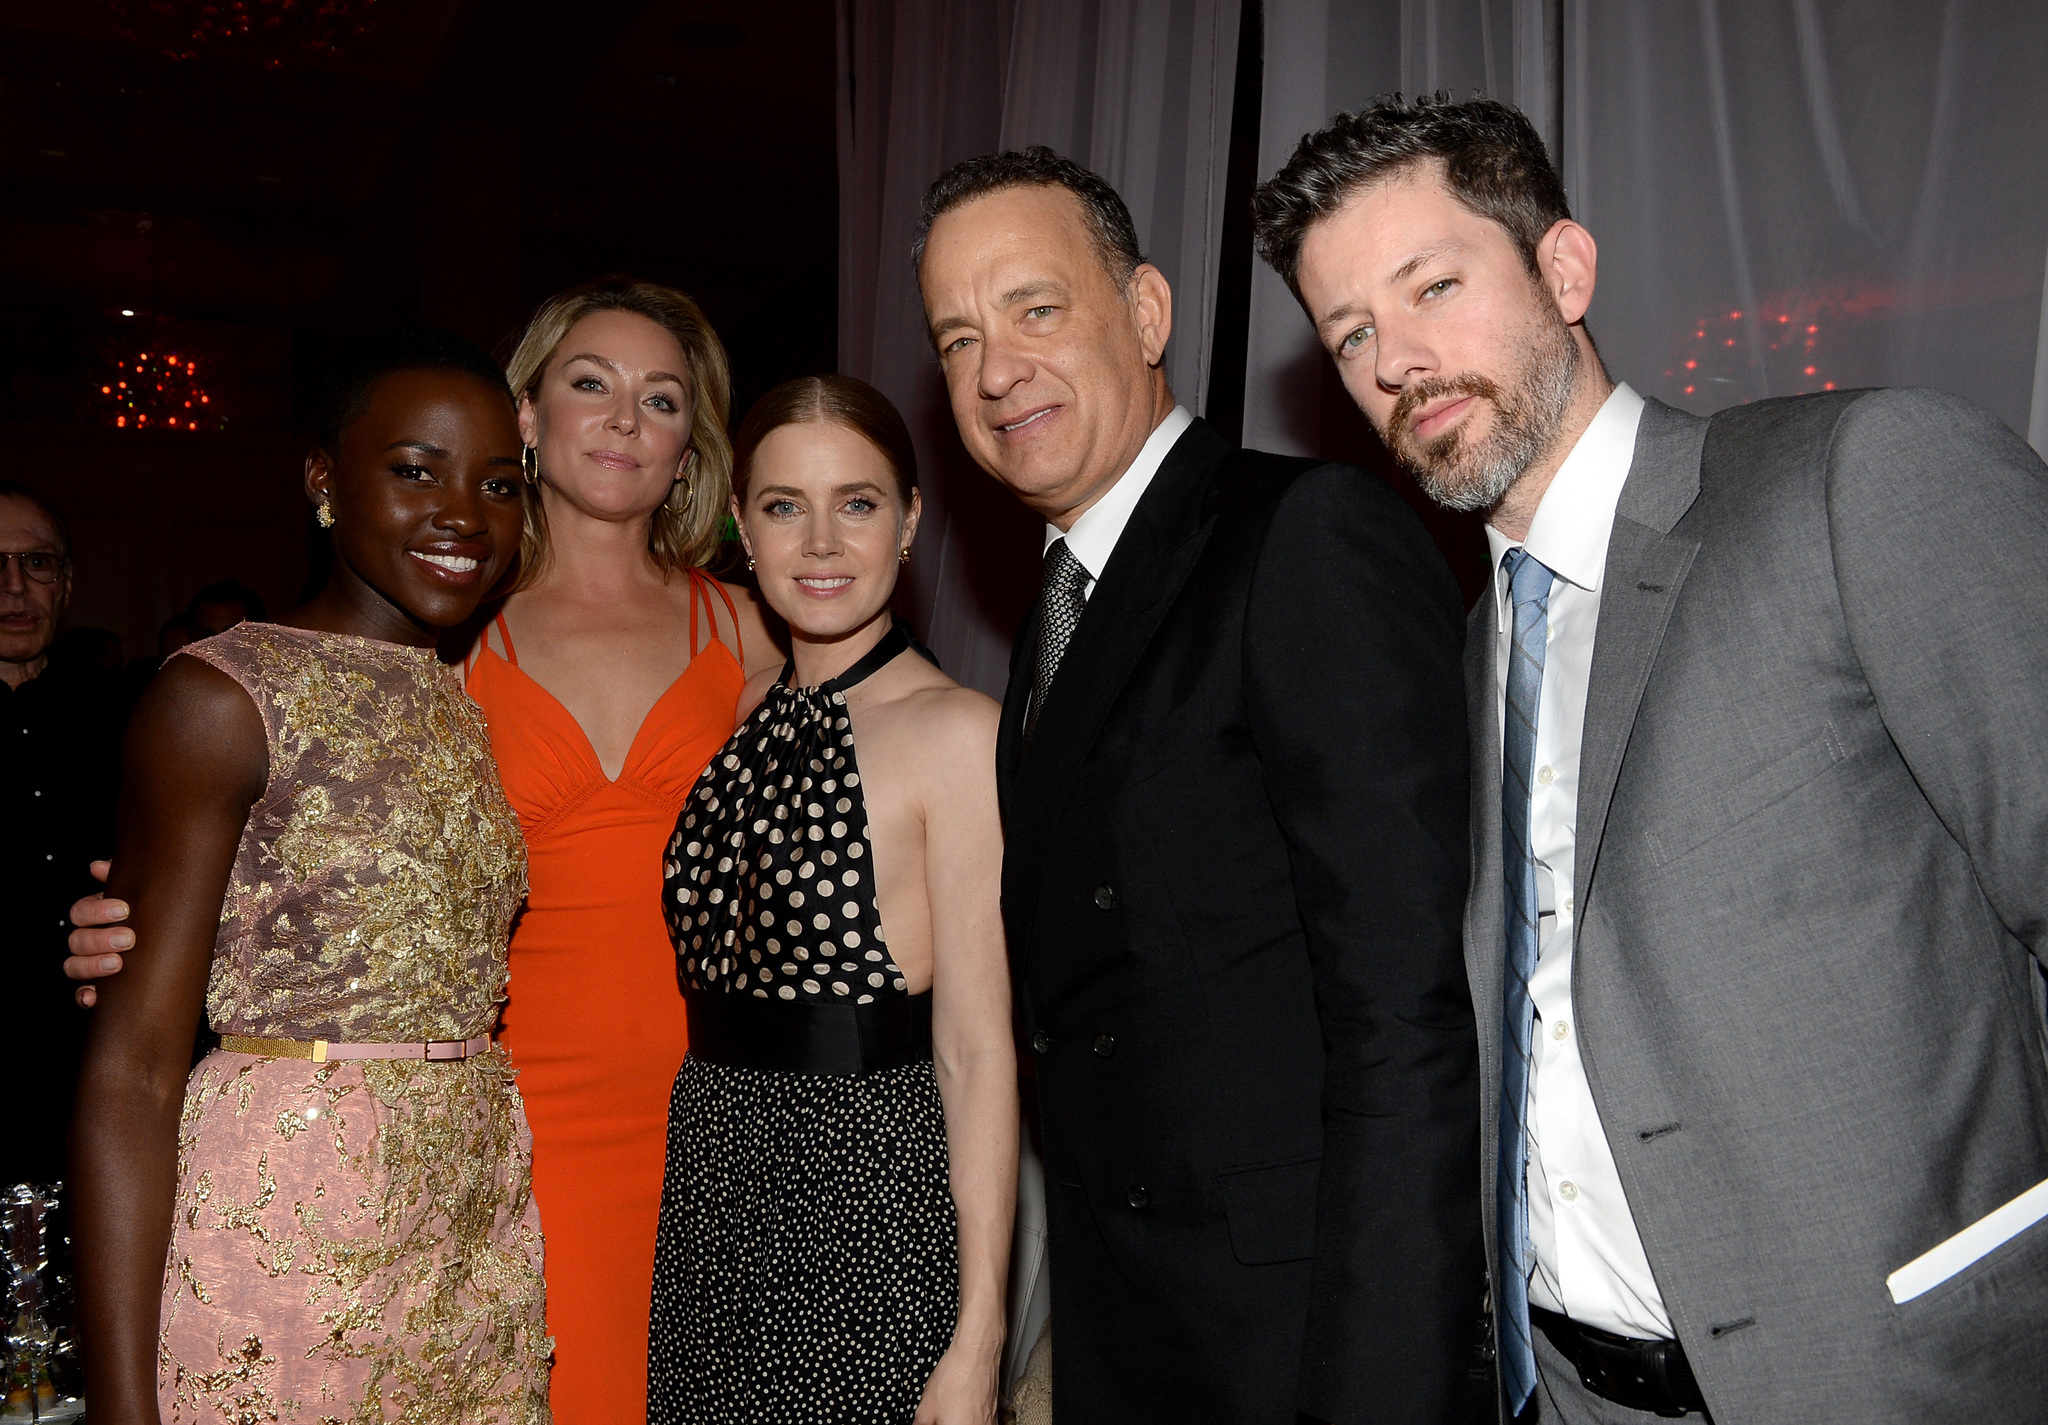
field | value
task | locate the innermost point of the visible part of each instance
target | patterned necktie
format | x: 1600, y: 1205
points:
x: 1062, y: 594
x: 1529, y: 592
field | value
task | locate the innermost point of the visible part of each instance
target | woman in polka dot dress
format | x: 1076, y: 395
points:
x: 843, y: 1136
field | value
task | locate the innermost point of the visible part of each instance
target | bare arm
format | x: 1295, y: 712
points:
x: 193, y: 763
x: 973, y: 1049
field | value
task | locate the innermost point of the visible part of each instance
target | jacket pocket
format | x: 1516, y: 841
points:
x: 1761, y: 789
x: 1945, y: 1261
x: 1272, y: 1211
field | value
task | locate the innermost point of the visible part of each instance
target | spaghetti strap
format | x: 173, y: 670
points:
x: 698, y: 579
x: 505, y: 633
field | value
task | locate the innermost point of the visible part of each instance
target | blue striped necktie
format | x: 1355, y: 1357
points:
x: 1529, y: 592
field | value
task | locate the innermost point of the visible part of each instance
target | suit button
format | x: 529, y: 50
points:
x: 1041, y: 1042
x: 1105, y: 897
x: 1104, y: 1046
x: 1137, y: 1196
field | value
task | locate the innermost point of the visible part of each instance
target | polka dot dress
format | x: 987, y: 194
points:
x: 806, y: 1266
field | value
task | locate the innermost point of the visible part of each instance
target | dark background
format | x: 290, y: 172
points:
x: 252, y: 182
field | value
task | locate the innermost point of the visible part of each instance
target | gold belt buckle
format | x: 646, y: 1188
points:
x: 319, y: 1051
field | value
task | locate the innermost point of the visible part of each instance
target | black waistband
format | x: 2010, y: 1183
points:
x: 809, y: 1036
x: 1644, y: 1375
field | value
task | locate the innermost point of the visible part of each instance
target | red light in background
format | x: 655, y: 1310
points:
x: 1811, y: 370
x: 1735, y: 316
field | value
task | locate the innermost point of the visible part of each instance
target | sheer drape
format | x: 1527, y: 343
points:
x: 1810, y: 193
x: 1787, y: 193
x: 1138, y: 90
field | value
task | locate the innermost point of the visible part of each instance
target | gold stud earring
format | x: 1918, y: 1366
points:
x: 904, y: 556
x: 750, y: 563
x: 529, y: 463
x: 325, y: 514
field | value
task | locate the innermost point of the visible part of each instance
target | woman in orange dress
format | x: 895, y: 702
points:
x: 609, y: 678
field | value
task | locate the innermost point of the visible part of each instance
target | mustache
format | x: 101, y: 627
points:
x: 1435, y: 388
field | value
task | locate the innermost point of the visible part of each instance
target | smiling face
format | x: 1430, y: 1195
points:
x: 30, y: 609
x: 1465, y: 363
x: 425, y: 497
x: 1052, y: 370
x: 610, y: 417
x: 821, y: 518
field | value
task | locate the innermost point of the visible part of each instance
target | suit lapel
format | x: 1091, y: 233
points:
x: 1010, y: 728
x: 1152, y: 560
x: 1646, y: 567
x: 1485, y: 925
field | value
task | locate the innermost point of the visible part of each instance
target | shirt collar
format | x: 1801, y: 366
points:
x: 1575, y: 518
x: 1093, y: 538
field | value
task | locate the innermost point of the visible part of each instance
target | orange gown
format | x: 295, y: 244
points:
x: 595, y: 1024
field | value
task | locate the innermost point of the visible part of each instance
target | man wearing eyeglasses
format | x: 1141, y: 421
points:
x: 59, y: 753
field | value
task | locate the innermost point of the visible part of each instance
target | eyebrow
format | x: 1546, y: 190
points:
x: 424, y: 447
x: 1010, y: 298
x: 846, y: 489
x: 613, y: 366
x: 1424, y: 257
x: 1344, y: 310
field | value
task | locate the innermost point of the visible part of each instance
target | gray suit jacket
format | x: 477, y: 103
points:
x: 1812, y: 880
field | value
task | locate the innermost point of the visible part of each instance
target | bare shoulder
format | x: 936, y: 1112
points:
x: 756, y: 690
x: 196, y: 722
x: 952, y: 725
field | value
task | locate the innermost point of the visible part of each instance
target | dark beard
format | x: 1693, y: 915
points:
x: 1460, y: 475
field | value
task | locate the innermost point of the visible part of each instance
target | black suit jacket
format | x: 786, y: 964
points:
x: 1233, y: 884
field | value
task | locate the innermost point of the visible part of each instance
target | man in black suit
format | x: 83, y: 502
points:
x: 1233, y: 772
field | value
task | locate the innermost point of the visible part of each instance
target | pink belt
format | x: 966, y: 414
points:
x: 321, y: 1052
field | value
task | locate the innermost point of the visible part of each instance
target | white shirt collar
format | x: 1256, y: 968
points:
x: 1093, y: 538
x: 1573, y: 521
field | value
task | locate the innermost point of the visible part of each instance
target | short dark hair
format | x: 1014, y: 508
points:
x: 358, y: 363
x: 1109, y: 221
x: 841, y: 400
x: 227, y: 591
x: 1494, y: 163
x: 23, y: 492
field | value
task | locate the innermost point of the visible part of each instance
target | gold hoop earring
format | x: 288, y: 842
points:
x: 529, y: 463
x: 325, y: 515
x: 671, y: 502
x: 904, y: 556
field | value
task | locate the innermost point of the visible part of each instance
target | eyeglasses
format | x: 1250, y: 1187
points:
x: 38, y: 564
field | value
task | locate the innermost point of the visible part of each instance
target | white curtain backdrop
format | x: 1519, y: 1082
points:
x: 1138, y: 90
x: 1787, y: 194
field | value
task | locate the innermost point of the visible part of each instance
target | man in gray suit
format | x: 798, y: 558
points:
x: 1760, y: 822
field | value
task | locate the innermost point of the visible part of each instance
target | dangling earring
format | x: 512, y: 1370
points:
x: 683, y: 481
x: 750, y: 563
x: 529, y: 463
x: 325, y: 514
x: 904, y: 556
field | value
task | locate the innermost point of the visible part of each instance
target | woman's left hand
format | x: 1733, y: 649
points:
x: 961, y: 1390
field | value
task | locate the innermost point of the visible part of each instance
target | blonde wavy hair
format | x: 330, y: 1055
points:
x: 684, y: 533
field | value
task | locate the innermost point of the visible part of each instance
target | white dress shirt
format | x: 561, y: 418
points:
x: 1590, y: 1262
x: 1093, y: 538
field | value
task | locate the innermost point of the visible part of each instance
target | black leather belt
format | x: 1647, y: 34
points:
x: 1643, y: 1375
x: 808, y: 1036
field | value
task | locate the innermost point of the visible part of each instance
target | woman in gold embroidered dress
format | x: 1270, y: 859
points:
x: 333, y: 1220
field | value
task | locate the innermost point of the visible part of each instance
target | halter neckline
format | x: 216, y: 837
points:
x: 892, y: 643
